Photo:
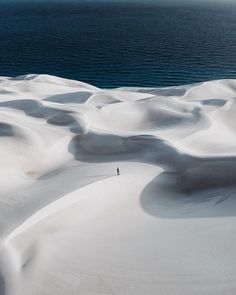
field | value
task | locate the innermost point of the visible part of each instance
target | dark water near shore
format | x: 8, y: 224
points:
x: 119, y: 44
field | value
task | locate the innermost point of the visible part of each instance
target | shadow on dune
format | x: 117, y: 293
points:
x: 166, y: 91
x: 189, y: 186
x: 214, y: 102
x: 74, y: 97
x: 2, y: 286
x: 5, y: 92
x: 6, y: 130
x: 163, y: 199
x: 206, y: 187
x: 33, y: 108
x: 30, y: 107
x: 100, y: 147
x: 178, y: 91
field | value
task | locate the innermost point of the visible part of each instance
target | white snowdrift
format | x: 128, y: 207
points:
x: 69, y: 225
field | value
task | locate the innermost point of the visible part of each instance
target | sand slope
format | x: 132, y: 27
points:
x: 69, y: 225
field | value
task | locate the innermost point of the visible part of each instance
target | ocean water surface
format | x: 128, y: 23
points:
x: 112, y: 45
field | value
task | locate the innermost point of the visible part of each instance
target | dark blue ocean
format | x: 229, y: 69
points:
x: 112, y: 45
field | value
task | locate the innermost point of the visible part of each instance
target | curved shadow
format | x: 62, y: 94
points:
x: 207, y: 188
x: 53, y: 116
x: 161, y: 199
x: 219, y: 102
x: 101, y: 147
x: 6, y: 130
x: 33, y: 108
x: 187, y: 184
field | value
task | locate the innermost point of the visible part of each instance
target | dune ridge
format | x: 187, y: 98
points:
x: 69, y: 225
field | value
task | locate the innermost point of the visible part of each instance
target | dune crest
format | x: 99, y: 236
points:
x: 70, y: 225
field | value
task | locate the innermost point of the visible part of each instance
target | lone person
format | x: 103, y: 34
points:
x: 118, y: 171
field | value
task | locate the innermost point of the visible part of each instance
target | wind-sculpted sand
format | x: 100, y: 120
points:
x: 70, y: 225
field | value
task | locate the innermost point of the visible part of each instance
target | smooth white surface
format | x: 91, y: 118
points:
x: 69, y: 225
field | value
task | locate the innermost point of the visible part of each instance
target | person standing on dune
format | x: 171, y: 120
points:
x: 118, y: 171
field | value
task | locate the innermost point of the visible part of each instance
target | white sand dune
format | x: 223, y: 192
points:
x: 69, y: 225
